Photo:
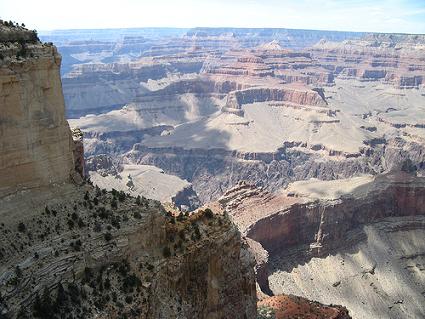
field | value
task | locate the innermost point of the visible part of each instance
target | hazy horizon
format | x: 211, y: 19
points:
x: 391, y: 16
x: 219, y: 27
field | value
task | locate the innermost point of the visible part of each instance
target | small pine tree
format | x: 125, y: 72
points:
x: 21, y: 227
x: 121, y: 196
x: 166, y: 252
x: 114, y: 203
x: 209, y: 213
x: 108, y: 236
x: 98, y: 191
x: 61, y: 297
x: 37, y: 307
x: 18, y: 272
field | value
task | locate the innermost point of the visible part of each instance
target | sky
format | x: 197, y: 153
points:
x: 402, y: 16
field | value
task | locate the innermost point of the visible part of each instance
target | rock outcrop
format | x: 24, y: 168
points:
x: 298, y: 97
x: 286, y: 307
x: 314, y: 223
x: 147, y: 265
x: 35, y: 140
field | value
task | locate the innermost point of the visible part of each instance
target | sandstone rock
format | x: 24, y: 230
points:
x: 36, y: 144
x: 292, y: 306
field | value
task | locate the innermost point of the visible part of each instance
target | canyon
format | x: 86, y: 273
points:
x: 218, y: 109
x: 72, y: 250
x: 191, y: 173
x: 313, y: 143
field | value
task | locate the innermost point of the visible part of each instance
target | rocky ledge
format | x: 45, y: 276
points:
x: 81, y: 251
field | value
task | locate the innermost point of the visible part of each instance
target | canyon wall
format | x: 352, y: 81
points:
x: 331, y: 240
x: 35, y: 140
x: 324, y: 225
x: 214, y: 171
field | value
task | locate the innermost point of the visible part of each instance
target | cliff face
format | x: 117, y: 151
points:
x: 302, y: 97
x: 325, y: 224
x: 330, y: 241
x: 395, y: 59
x: 35, y: 140
x: 70, y: 250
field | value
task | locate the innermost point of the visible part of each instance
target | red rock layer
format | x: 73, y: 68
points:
x: 288, y: 306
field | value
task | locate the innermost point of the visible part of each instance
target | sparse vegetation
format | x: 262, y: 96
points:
x: 265, y: 312
x: 166, y: 252
x: 208, y: 213
x: 108, y: 236
x: 114, y: 203
x: 21, y: 227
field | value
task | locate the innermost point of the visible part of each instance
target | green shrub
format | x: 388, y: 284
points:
x: 265, y: 312
x: 137, y: 215
x: 114, y: 203
x: 208, y: 213
x: 70, y: 224
x: 166, y: 252
x: 21, y: 227
x: 108, y: 236
x: 121, y: 196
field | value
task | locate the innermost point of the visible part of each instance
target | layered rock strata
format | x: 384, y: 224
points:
x: 393, y: 59
x: 147, y: 265
x: 36, y: 144
x: 314, y: 224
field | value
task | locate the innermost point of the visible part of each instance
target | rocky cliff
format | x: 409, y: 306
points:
x: 124, y: 259
x: 314, y: 223
x: 36, y: 145
x: 328, y: 240
x: 69, y: 250
x: 298, y: 97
